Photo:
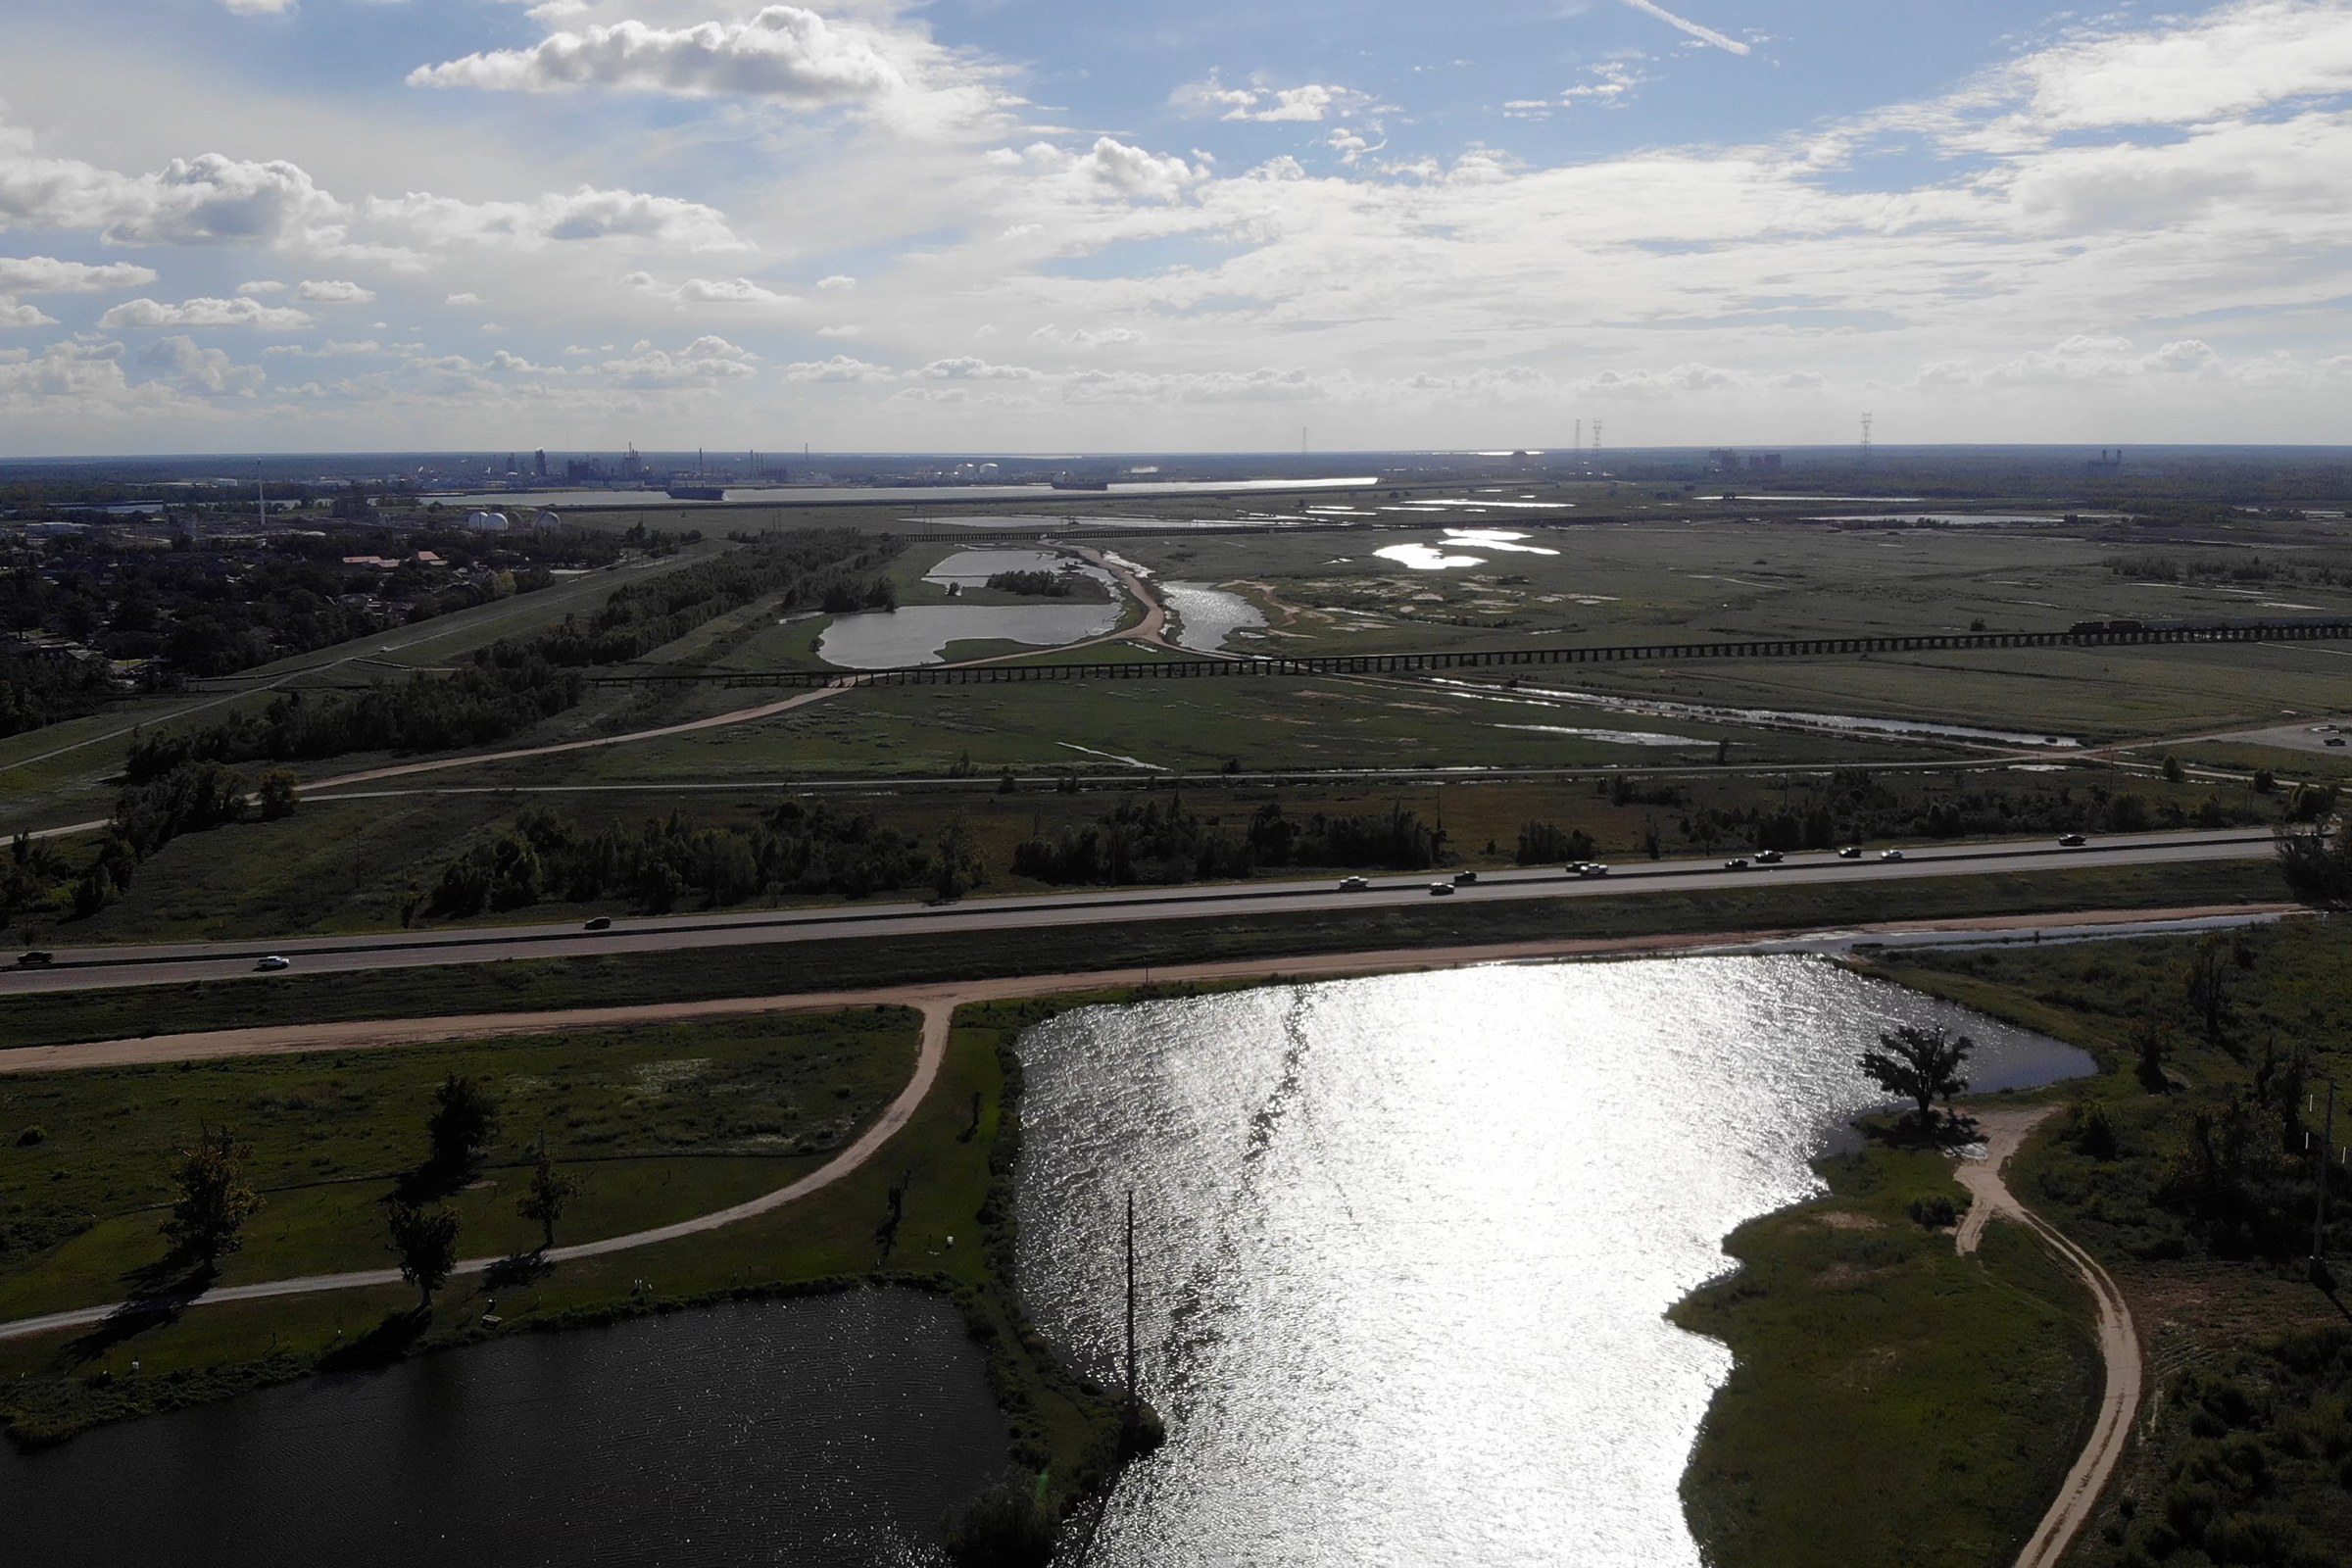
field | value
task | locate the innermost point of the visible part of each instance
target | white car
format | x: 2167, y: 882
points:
x: 274, y: 961
x: 1352, y: 884
x: 1891, y: 854
x: 1593, y: 869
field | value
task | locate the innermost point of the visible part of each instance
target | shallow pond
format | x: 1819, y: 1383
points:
x: 826, y: 1430
x: 1206, y: 617
x: 972, y: 569
x: 920, y: 634
x: 1407, y: 1244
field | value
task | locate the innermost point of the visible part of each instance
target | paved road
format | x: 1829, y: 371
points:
x: 89, y: 968
x: 2119, y: 1340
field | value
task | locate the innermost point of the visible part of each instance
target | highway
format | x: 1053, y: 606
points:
x: 102, y: 967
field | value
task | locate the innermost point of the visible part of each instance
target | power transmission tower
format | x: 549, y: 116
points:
x: 1867, y: 420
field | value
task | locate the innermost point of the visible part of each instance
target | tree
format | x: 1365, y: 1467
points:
x: 956, y: 866
x: 279, y: 788
x: 215, y: 1198
x: 427, y: 1240
x: 2208, y: 982
x: 463, y: 1121
x: 550, y: 1194
x: 1920, y: 1064
x: 2148, y: 1050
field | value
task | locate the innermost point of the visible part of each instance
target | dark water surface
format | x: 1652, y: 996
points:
x: 824, y: 1431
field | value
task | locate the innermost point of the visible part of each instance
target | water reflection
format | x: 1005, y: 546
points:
x: 1206, y: 617
x: 1410, y: 1240
x: 920, y: 634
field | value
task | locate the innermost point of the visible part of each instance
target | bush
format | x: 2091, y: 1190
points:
x: 1937, y: 1212
x: 1006, y: 1526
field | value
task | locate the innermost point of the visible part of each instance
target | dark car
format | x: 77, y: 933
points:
x: 34, y: 957
x: 1463, y: 879
x: 1852, y: 852
x: 1768, y: 858
x: 1739, y: 865
x: 2072, y: 841
x: 602, y: 922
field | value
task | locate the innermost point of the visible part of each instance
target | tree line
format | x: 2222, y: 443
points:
x: 514, y: 682
x: 1147, y: 844
x: 797, y: 848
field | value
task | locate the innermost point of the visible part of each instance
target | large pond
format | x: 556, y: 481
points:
x: 828, y: 1430
x: 1407, y: 1244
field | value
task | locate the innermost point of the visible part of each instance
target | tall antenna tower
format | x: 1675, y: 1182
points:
x: 1867, y: 420
x: 1580, y: 441
x: 1595, y: 440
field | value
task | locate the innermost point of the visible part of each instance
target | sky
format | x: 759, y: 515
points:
x: 1039, y: 225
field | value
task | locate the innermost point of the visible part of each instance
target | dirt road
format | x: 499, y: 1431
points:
x: 2118, y: 1342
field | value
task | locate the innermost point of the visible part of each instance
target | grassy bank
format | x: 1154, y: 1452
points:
x: 655, y: 1124
x: 2185, y: 1170
x: 953, y: 1164
x: 863, y: 962
x: 1889, y: 1402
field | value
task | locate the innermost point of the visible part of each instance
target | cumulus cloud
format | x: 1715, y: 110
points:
x: 463, y: 299
x: 705, y: 362
x: 783, y: 53
x: 13, y: 313
x: 329, y: 350
x: 587, y: 214
x: 710, y: 291
x: 203, y: 312
x: 839, y: 280
x: 965, y: 368
x: 839, y: 369
x: 328, y: 291
x: 1306, y: 103
x: 1086, y: 337
x: 46, y: 274
x: 1111, y: 170
x: 201, y: 371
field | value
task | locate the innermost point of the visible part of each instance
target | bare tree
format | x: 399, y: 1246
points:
x: 1920, y: 1064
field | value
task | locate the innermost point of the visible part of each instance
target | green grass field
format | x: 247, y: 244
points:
x: 659, y: 1123
x: 1889, y: 1402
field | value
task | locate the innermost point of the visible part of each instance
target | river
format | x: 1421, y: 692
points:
x: 1407, y: 1244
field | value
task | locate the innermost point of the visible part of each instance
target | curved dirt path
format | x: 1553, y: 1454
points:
x: 938, y: 1021
x: 2119, y: 1343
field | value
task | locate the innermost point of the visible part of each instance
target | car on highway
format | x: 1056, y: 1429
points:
x: 1891, y: 854
x: 34, y: 959
x: 2333, y: 739
x: 1852, y: 852
x: 1592, y: 868
x: 602, y: 922
x: 274, y: 961
x: 1739, y: 863
x: 2072, y: 841
x: 1441, y: 890
x: 1353, y: 884
x: 1768, y: 857
x: 1463, y: 879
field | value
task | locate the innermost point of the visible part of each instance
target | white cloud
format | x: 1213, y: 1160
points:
x: 587, y: 214
x: 1110, y: 169
x: 463, y: 299
x: 262, y: 288
x: 784, y: 52
x: 202, y: 372
x: 841, y: 330
x: 1306, y: 103
x: 202, y: 312
x: 965, y: 368
x: 710, y: 291
x: 2232, y: 60
x: 328, y: 291
x: 329, y: 350
x: 258, y: 8
x: 839, y: 280
x: 14, y: 314
x: 46, y: 274
x: 839, y: 369
x: 1087, y: 337
x: 705, y: 362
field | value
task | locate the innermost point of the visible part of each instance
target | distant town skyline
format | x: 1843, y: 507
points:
x: 1030, y: 225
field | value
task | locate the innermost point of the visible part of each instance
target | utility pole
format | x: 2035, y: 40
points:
x: 2319, y: 1222
x: 1132, y: 1407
